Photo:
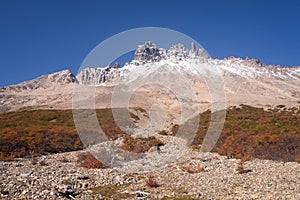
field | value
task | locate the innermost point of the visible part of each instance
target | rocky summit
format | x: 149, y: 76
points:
x: 148, y: 52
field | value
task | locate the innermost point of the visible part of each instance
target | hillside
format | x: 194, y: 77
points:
x: 248, y: 133
x: 142, y: 130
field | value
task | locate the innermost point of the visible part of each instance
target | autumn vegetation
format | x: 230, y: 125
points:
x: 248, y: 133
x: 29, y: 133
x: 37, y: 132
x: 251, y: 132
x: 140, y: 145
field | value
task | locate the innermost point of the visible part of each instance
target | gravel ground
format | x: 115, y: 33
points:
x: 192, y: 176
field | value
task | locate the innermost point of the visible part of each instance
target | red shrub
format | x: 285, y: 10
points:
x: 87, y: 160
x: 151, y: 182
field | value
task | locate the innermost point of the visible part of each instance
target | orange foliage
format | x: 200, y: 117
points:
x: 255, y: 133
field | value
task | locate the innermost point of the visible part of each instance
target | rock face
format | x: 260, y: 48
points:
x: 62, y: 77
x: 95, y: 76
x: 147, y: 52
x: 180, y: 52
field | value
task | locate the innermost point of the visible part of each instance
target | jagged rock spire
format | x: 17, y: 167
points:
x: 147, y: 52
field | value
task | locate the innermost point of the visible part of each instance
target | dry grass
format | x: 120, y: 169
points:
x: 113, y: 191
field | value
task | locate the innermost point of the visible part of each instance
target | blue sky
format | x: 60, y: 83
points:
x: 43, y: 36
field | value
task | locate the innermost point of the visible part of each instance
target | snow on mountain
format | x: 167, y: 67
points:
x: 148, y: 53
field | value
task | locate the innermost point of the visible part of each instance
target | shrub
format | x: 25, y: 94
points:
x: 200, y: 168
x: 251, y: 132
x: 47, y: 131
x: 140, y: 145
x: 298, y: 159
x: 163, y: 132
x: 151, y: 181
x: 88, y: 161
x: 241, y: 169
x: 190, y: 169
x: 64, y: 159
x: 43, y: 163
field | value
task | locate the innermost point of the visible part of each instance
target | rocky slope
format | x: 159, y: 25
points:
x: 192, y: 176
x: 47, y: 91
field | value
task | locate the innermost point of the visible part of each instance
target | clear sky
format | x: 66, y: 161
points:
x: 44, y: 36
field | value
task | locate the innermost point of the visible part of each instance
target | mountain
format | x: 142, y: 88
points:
x: 163, y: 89
x: 245, y: 81
x: 44, y: 82
x: 46, y: 91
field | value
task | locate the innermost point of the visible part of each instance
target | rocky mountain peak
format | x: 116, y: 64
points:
x: 254, y: 62
x: 147, y: 52
x: 98, y: 75
x: 179, y: 51
x: 62, y: 77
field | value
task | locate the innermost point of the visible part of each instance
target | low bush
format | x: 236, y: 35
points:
x: 193, y: 169
x: 151, y: 181
x: 35, y: 132
x: 88, y: 161
x: 140, y: 145
x: 251, y: 132
x: 163, y: 132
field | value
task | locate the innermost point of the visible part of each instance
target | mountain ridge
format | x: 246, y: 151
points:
x: 244, y: 79
x: 146, y: 53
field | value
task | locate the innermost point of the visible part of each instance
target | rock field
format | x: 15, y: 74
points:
x: 192, y: 176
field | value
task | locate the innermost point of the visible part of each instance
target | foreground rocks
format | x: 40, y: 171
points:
x: 193, y: 176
